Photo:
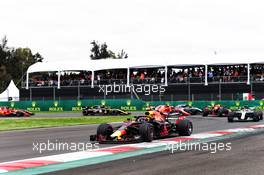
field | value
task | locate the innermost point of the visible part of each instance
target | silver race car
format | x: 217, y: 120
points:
x: 245, y: 113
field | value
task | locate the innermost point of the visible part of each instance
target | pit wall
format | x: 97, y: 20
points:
x: 128, y: 105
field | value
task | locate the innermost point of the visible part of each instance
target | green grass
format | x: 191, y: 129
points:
x: 29, y: 123
x: 61, y: 112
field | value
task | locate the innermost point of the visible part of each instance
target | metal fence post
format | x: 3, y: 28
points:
x: 78, y: 91
x: 54, y: 94
x: 220, y: 90
x: 189, y: 89
x: 30, y: 94
x: 104, y: 95
x: 251, y: 87
x: 206, y: 75
x: 248, y: 74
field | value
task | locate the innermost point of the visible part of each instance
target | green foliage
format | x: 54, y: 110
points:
x: 100, y: 51
x: 14, y: 63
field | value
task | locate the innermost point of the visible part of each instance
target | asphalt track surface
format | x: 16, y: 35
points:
x: 246, y: 157
x: 15, y: 145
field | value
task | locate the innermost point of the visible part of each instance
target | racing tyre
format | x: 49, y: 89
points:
x: 230, y: 117
x: 220, y: 112
x: 146, y: 132
x: 185, y: 128
x: 205, y: 113
x: 104, y: 132
x: 197, y: 112
x: 225, y: 111
x: 85, y: 113
x: 113, y: 112
x: 260, y: 114
x: 108, y: 112
x: 256, y: 118
x: 19, y: 114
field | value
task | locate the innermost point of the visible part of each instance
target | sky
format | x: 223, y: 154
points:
x: 145, y: 29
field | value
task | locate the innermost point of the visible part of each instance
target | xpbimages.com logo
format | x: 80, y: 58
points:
x: 147, y: 89
x: 56, y: 145
x: 212, y: 147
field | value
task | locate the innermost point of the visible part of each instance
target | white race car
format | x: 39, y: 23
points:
x: 244, y: 114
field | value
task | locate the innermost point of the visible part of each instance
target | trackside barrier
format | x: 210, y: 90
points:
x: 124, y: 104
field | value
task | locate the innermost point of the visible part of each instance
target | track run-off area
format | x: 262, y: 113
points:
x: 19, y: 156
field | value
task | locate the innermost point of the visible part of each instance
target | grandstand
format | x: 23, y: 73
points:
x: 218, y: 77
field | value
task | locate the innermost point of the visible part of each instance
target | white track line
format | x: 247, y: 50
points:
x: 3, y: 171
x: 72, y: 156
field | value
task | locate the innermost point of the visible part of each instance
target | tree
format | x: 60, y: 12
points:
x: 4, y: 42
x: 14, y: 63
x: 100, y: 51
x: 122, y: 55
x: 104, y: 53
x: 95, y: 51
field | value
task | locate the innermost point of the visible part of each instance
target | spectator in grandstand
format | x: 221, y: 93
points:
x: 228, y: 73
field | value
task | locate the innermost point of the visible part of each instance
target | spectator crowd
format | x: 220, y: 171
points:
x: 192, y: 74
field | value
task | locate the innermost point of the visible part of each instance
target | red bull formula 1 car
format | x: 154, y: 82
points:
x: 153, y: 125
x: 215, y: 110
x: 9, y: 112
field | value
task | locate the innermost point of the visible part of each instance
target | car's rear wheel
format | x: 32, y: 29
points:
x: 185, y: 128
x: 19, y: 114
x: 220, y: 113
x: 85, y: 113
x: 256, y: 118
x: 260, y: 114
x: 104, y: 132
x: 146, y: 132
x: 205, y: 113
x: 197, y: 112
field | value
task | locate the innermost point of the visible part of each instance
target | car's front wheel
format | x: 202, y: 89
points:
x: 205, y: 113
x: 220, y: 113
x: 146, y: 132
x: 230, y: 117
x: 260, y: 114
x: 104, y: 132
x: 185, y: 128
x: 84, y: 113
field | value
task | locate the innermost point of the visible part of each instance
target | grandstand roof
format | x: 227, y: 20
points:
x: 178, y: 60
